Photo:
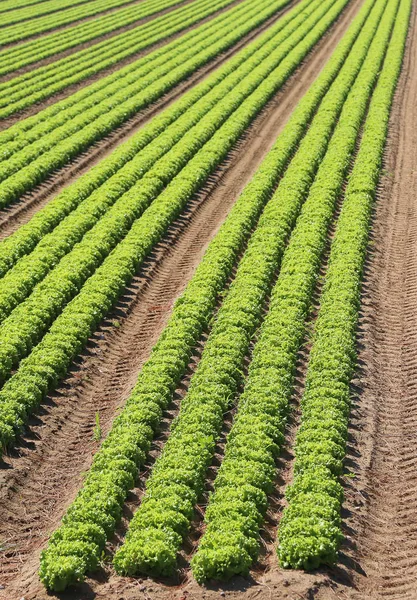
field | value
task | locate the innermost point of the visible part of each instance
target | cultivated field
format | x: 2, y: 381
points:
x: 208, y: 286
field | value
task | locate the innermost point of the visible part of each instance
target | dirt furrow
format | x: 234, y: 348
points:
x: 19, y: 213
x: 41, y: 478
x: 107, y: 71
x: 62, y: 437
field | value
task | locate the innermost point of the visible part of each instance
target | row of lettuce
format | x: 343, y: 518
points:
x: 310, y: 529
x: 102, y: 263
x: 25, y: 323
x: 79, y: 206
x: 14, y: 30
x: 177, y: 479
x: 165, y: 156
x: 17, y: 14
x: 68, y: 302
x: 26, y: 53
x: 38, y: 84
x: 7, y: 5
x: 155, y: 532
x: 230, y: 542
x: 33, y: 148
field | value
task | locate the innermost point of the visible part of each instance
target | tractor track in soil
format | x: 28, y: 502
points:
x: 18, y: 213
x: 107, y: 71
x: 71, y: 89
x: 177, y: 91
x: 190, y: 81
x: 42, y: 476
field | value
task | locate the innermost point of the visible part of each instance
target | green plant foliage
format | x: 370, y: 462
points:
x: 135, y: 426
x: 231, y: 539
x: 113, y: 176
x: 310, y: 531
x: 97, y: 431
x: 25, y: 53
x: 13, y: 29
x: 13, y: 4
x: 18, y: 14
x: 70, y: 302
x: 36, y: 146
x: 24, y: 90
x: 264, y: 405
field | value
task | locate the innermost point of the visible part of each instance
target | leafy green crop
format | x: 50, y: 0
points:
x: 13, y: 30
x: 7, y: 5
x: 17, y: 14
x: 119, y: 168
x: 36, y: 85
x: 258, y: 430
x: 310, y: 530
x: 85, y: 122
x: 251, y: 465
x: 169, y: 152
x: 161, y: 374
x: 24, y: 54
x: 26, y: 325
x: 144, y: 196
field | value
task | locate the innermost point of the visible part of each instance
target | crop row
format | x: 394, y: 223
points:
x: 111, y: 106
x: 235, y: 511
x: 89, y: 519
x: 7, y: 5
x: 38, y: 84
x: 19, y: 282
x: 19, y: 14
x: 77, y: 67
x: 16, y: 32
x: 158, y: 379
x: 163, y: 518
x: 310, y: 531
x: 31, y: 319
x: 94, y: 193
x: 55, y: 115
x: 219, y: 373
x: 163, y: 159
x: 26, y: 53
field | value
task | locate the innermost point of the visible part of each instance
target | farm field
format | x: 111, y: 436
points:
x: 208, y: 278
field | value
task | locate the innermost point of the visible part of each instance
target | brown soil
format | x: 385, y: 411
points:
x: 43, y: 475
x: 40, y: 14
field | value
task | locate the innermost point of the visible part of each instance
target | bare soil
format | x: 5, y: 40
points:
x: 40, y: 14
x: 71, y: 89
x: 58, y: 55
